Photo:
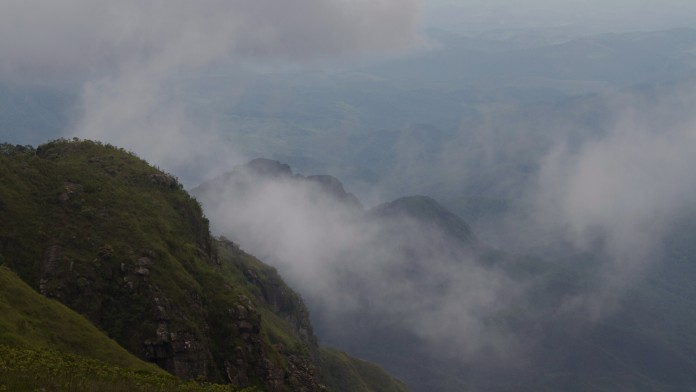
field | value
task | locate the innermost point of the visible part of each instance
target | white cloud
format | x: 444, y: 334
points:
x: 123, y: 52
x: 622, y: 190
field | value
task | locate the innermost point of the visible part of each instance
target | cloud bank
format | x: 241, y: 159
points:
x: 77, y: 36
x: 368, y: 270
x: 622, y: 191
x: 604, y: 201
x: 123, y: 53
x: 581, y: 15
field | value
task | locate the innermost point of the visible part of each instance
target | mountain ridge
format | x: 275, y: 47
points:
x: 122, y: 243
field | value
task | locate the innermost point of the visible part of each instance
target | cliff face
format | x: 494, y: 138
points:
x: 121, y: 243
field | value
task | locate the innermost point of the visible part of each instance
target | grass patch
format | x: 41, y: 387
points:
x: 347, y: 374
x: 34, y: 321
x: 24, y: 369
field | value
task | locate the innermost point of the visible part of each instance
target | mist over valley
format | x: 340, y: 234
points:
x: 480, y: 196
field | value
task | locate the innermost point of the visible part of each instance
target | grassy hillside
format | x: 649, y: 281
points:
x: 121, y: 243
x: 24, y: 369
x: 33, y: 321
x: 346, y: 374
x: 45, y: 345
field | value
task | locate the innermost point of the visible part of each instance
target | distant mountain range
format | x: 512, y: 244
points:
x: 533, y: 332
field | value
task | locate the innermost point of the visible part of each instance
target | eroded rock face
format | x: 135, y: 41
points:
x: 51, y: 259
x: 188, y: 354
x: 171, y: 344
x: 51, y: 264
x: 142, y: 266
x: 289, y: 306
x: 304, y: 374
x: 181, y: 353
x: 245, y: 361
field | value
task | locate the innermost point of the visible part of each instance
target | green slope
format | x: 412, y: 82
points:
x: 346, y: 374
x: 121, y: 243
x: 33, y: 321
x: 24, y: 369
x: 46, y: 346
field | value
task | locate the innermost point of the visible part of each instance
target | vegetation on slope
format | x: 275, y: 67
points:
x: 46, y: 346
x: 123, y: 244
x: 346, y: 374
x: 24, y: 369
x: 33, y: 321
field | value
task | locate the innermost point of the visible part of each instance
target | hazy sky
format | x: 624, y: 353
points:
x: 121, y: 54
x: 586, y: 15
